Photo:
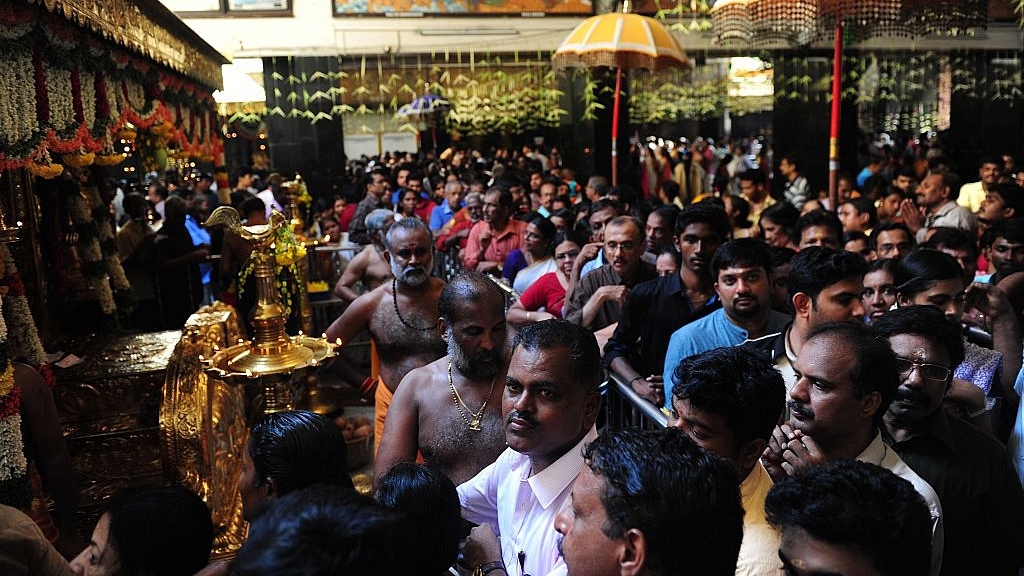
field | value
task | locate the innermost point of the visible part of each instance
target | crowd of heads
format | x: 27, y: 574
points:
x: 875, y: 294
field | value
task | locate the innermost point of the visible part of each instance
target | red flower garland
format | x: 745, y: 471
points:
x: 102, y: 104
x: 10, y: 404
x: 47, y: 372
x: 15, y: 285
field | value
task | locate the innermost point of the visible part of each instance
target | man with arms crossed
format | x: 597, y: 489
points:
x: 846, y: 378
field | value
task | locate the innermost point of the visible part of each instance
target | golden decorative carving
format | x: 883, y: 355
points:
x: 125, y: 23
x: 272, y: 363
x: 117, y: 387
x: 203, y: 423
x: 106, y: 463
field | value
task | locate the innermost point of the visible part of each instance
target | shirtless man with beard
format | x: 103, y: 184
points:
x: 369, y: 266
x: 401, y: 315
x: 450, y: 410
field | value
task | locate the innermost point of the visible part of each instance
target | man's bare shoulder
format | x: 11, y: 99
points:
x: 428, y: 372
x: 422, y: 380
x: 433, y: 292
x: 437, y: 285
x: 362, y: 258
x: 375, y: 295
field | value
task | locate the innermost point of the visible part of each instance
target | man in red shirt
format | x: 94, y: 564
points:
x: 491, y: 241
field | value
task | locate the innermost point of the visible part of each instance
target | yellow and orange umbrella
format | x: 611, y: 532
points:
x: 620, y: 40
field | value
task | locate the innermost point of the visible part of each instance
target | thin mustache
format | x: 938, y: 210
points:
x: 517, y: 414
x: 799, y: 409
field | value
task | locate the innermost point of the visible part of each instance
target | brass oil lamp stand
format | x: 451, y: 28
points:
x: 272, y: 365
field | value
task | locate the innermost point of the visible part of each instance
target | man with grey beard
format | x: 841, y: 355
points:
x: 401, y: 315
x: 450, y: 410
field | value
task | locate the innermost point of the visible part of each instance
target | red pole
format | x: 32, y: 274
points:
x: 837, y: 95
x: 615, y: 127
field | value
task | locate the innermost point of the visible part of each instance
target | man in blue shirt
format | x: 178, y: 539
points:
x: 453, y: 194
x: 742, y: 271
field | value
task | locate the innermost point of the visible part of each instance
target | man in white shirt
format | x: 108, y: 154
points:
x: 550, y: 405
x: 846, y: 378
x: 937, y: 199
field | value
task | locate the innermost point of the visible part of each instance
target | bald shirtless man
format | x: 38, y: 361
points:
x: 369, y: 266
x: 450, y: 410
x: 401, y: 315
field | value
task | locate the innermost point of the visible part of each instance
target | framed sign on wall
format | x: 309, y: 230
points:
x: 229, y: 7
x: 466, y: 7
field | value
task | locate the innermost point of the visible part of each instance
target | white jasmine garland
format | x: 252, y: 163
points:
x: 62, y: 108
x: 104, y: 234
x: 18, y: 99
x: 136, y: 96
x: 13, y: 465
x: 112, y: 91
x: 12, y: 448
x: 15, y: 31
x: 79, y: 210
x: 27, y: 342
x: 88, y: 98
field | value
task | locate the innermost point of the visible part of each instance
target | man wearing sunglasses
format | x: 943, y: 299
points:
x: 982, y: 499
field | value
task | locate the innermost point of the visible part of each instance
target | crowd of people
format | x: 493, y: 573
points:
x: 841, y: 383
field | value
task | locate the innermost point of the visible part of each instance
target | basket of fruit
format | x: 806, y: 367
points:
x: 358, y: 432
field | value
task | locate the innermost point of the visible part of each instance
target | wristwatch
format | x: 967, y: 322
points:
x: 484, y: 569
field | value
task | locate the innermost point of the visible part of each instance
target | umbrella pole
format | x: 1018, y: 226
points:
x: 433, y: 130
x: 615, y: 127
x: 837, y: 96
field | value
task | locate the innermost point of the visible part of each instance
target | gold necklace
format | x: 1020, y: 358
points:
x: 464, y: 411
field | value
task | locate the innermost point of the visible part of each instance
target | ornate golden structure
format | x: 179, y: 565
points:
x: 108, y: 406
x: 148, y: 28
x: 272, y: 362
x: 203, y: 426
x: 218, y: 383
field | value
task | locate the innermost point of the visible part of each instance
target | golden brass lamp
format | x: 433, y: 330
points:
x: 272, y: 363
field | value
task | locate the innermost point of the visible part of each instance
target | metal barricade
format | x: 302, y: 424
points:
x: 624, y: 408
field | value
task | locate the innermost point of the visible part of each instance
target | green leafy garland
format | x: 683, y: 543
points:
x: 289, y: 253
